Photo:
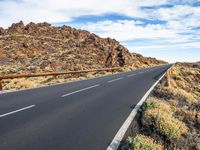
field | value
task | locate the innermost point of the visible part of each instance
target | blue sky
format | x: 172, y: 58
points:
x: 165, y: 29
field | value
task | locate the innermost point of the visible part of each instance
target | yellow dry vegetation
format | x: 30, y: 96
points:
x: 198, y: 146
x: 142, y: 142
x: 159, y: 116
x: 20, y: 84
x: 178, y: 93
x: 189, y: 115
x: 185, y: 81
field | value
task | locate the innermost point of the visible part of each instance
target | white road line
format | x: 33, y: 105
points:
x: 131, y: 75
x: 120, y: 134
x: 115, y: 80
x: 12, y: 112
x: 80, y: 90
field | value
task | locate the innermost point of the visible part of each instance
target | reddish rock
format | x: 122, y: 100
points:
x: 16, y: 28
x: 44, y: 47
x: 2, y: 31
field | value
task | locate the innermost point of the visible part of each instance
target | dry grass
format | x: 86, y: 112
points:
x: 189, y: 115
x: 175, y: 93
x: 142, y: 142
x: 198, y: 146
x: 159, y: 116
x: 22, y: 83
x: 19, y: 84
x: 185, y: 78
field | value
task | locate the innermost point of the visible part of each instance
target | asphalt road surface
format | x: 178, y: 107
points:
x: 82, y: 115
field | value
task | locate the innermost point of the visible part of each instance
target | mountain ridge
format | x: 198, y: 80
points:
x: 63, y: 48
x: 37, y: 48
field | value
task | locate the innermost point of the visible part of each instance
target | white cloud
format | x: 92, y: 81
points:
x: 177, y: 33
x: 63, y: 10
x: 160, y: 38
x: 180, y: 16
x: 129, y: 30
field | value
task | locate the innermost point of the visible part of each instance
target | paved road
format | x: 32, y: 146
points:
x: 79, y: 115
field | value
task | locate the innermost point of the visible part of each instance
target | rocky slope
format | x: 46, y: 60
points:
x: 42, y: 48
x: 171, y: 116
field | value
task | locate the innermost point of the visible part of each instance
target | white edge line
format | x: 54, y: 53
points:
x: 12, y: 112
x: 80, y: 90
x: 115, y: 80
x: 120, y: 134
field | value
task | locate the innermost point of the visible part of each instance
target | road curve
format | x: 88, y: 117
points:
x: 78, y: 115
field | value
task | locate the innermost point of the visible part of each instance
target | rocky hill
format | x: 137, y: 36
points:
x: 44, y: 48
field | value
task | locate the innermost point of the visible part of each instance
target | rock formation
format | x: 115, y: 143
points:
x: 42, y: 47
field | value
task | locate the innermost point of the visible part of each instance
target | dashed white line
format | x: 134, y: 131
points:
x: 12, y: 112
x: 80, y: 90
x: 115, y: 80
x: 131, y: 75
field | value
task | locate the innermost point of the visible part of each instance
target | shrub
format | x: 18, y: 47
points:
x: 171, y: 93
x: 20, y: 84
x: 189, y: 115
x: 142, y: 142
x: 198, y: 146
x: 160, y: 118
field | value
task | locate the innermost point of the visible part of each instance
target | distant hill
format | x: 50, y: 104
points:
x: 42, y: 47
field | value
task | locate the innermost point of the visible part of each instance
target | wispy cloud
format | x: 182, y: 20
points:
x: 65, y: 10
